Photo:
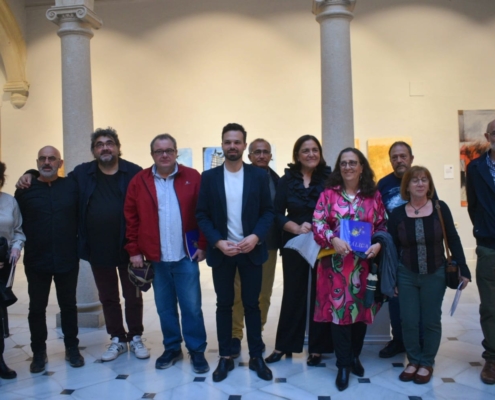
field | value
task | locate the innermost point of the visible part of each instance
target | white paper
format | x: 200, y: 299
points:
x: 306, y: 246
x: 457, y: 297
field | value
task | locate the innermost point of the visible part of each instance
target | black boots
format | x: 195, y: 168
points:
x: 342, y: 380
x: 6, y: 372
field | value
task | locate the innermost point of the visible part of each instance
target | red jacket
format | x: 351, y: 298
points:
x: 141, y: 211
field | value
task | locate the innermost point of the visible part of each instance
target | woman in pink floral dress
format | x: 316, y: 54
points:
x: 341, y: 281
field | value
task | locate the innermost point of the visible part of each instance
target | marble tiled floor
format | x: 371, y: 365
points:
x: 456, y: 375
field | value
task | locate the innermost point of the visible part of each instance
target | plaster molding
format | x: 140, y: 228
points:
x: 13, y: 54
x: 333, y: 8
x: 60, y: 14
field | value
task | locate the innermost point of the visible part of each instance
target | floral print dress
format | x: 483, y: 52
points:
x: 341, y: 280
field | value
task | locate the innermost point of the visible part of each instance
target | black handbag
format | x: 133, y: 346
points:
x: 452, y: 270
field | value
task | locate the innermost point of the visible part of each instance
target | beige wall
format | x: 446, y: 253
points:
x: 165, y: 66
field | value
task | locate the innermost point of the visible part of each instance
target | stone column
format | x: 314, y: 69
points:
x: 334, y: 17
x: 76, y: 20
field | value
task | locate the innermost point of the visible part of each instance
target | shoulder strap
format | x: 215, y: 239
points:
x: 447, y: 250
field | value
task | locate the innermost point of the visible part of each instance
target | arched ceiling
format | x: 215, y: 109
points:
x: 13, y: 54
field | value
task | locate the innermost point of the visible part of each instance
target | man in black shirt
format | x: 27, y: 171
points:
x: 102, y: 185
x: 49, y: 210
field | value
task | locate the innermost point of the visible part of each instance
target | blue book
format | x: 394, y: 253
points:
x: 356, y: 233
x: 192, y: 238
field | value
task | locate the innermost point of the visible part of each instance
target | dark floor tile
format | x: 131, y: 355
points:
x: 122, y: 376
x: 149, y: 396
x: 280, y: 380
x: 67, y: 391
x: 243, y: 364
x: 452, y: 338
x: 398, y: 365
x: 29, y: 359
x: 234, y: 397
x: 324, y: 398
x: 213, y: 351
x: 199, y: 379
x: 448, y: 380
x: 82, y: 347
x: 364, y: 380
x: 19, y: 346
x: 475, y: 364
x: 321, y: 365
x: 98, y: 362
x: 415, y: 398
x: 48, y: 373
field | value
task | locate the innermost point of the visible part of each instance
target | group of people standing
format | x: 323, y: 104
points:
x: 237, y: 216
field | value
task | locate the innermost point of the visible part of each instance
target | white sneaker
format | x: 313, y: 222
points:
x: 114, y: 350
x: 138, y: 348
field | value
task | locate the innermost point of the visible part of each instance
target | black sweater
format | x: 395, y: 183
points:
x: 401, y: 228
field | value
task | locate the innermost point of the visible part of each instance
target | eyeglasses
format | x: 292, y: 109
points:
x: 350, y: 164
x: 108, y: 143
x: 258, y: 153
x: 50, y: 159
x: 168, y: 152
x: 416, y: 181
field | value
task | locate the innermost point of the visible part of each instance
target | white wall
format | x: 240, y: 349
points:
x: 167, y: 66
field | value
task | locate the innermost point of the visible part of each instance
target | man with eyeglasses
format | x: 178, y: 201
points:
x: 260, y: 155
x: 401, y: 158
x: 480, y: 189
x: 49, y: 212
x: 102, y: 185
x: 161, y: 227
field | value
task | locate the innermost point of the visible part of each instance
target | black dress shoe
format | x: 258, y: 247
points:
x: 257, y: 364
x: 392, y: 348
x: 224, y: 366
x: 276, y: 357
x: 357, y: 368
x: 6, y: 372
x: 39, y: 361
x: 342, y: 380
x: 313, y: 360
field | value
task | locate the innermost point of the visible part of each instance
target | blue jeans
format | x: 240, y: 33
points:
x: 179, y: 280
x: 421, y: 295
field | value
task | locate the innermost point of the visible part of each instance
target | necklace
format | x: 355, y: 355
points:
x: 416, y: 210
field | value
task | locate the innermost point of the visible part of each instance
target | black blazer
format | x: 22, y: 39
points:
x: 480, y: 190
x: 257, y: 211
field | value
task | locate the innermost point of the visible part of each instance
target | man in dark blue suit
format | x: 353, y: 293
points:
x: 480, y: 190
x: 235, y: 212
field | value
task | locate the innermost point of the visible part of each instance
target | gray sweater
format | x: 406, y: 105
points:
x: 11, y: 221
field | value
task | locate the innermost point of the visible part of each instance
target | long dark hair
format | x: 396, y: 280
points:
x: 367, y: 183
x: 297, y: 147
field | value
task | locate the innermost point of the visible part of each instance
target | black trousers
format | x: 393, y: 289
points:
x: 3, y: 323
x: 292, y: 321
x: 223, y: 281
x: 39, y: 290
x: 348, y: 340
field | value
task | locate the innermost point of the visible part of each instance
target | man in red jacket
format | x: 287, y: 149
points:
x: 161, y: 227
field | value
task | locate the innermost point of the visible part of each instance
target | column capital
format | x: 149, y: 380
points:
x: 74, y: 13
x: 333, y: 8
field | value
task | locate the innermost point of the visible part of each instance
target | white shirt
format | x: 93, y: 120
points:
x: 234, y: 185
x: 169, y: 218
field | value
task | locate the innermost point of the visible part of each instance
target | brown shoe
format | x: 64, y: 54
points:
x: 422, y: 379
x: 408, y: 376
x: 488, y: 372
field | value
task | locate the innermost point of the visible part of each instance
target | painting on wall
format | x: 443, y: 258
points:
x: 185, y: 157
x: 472, y: 142
x: 212, y: 157
x: 378, y: 154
